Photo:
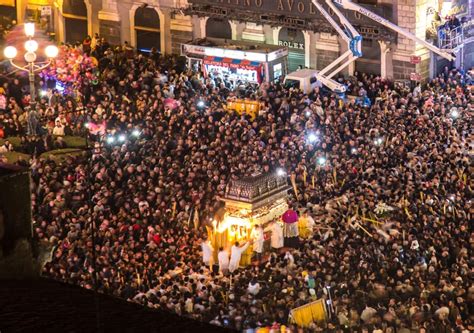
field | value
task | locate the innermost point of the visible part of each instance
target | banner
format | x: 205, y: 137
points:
x: 304, y: 315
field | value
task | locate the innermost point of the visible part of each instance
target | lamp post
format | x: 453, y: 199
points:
x: 31, y: 46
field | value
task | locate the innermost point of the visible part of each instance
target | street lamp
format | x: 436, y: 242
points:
x: 31, y: 46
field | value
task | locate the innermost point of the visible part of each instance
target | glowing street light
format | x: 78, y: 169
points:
x: 31, y: 46
x: 30, y: 29
x: 51, y: 51
x: 10, y: 52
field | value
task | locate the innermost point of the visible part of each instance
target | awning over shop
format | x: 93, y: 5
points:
x: 233, y: 63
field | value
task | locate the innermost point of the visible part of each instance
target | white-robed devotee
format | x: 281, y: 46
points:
x: 223, y: 259
x: 207, y: 252
x: 236, y: 254
x: 276, y: 240
x: 258, y: 240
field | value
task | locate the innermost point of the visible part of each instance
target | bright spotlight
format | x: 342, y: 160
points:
x: 201, y: 104
x: 312, y: 138
x: 354, y: 151
x: 121, y: 138
x: 308, y: 114
x: 321, y: 160
x: 110, y: 139
x: 280, y: 172
x: 378, y: 141
x: 136, y: 133
x: 454, y: 113
x: 43, y: 93
x: 86, y: 125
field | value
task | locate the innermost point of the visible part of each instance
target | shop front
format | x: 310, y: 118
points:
x: 233, y: 69
x: 237, y: 61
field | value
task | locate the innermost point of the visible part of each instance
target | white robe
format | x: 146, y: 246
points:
x: 223, y: 258
x: 277, y: 236
x: 258, y: 240
x: 235, y: 255
x: 207, y: 251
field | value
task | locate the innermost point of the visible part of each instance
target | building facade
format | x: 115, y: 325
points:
x: 296, y: 24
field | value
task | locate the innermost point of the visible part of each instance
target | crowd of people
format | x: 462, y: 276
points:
x: 410, y: 150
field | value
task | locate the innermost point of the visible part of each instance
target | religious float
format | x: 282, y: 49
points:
x: 250, y: 201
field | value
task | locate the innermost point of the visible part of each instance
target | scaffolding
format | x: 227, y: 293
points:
x: 450, y: 37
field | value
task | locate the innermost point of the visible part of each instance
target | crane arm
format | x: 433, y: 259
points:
x: 350, y: 36
x: 347, y: 4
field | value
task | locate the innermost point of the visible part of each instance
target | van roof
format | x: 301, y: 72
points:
x: 302, y: 73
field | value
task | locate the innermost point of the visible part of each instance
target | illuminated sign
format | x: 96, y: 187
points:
x: 296, y: 14
x: 291, y: 45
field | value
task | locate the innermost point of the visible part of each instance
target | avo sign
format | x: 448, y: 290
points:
x: 299, y: 8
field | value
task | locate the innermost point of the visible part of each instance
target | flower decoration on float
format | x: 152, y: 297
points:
x: 71, y: 69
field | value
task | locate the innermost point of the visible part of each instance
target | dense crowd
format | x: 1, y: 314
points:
x: 409, y: 150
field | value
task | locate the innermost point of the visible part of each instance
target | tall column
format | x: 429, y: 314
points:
x: 202, y: 26
x: 181, y: 32
x: 109, y: 22
x: 307, y: 49
x: 411, y: 15
x: 327, y: 50
x: 253, y: 32
x: 386, y: 70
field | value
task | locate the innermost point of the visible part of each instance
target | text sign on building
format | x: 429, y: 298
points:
x: 291, y: 45
x: 415, y: 59
x: 294, y: 8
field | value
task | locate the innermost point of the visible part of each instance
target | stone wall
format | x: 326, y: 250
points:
x: 179, y: 37
x: 111, y: 31
x: 402, y: 69
x: 423, y: 68
x: 325, y: 57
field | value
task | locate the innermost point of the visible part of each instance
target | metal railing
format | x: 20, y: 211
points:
x: 450, y: 38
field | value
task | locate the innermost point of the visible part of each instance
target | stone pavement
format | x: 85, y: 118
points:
x: 49, y: 306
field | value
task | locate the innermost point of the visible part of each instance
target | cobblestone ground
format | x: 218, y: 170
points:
x: 49, y: 306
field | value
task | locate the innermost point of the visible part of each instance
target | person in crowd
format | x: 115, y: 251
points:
x: 399, y: 164
x: 207, y: 253
x: 276, y: 238
x: 223, y: 258
x: 236, y: 254
x: 258, y: 241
